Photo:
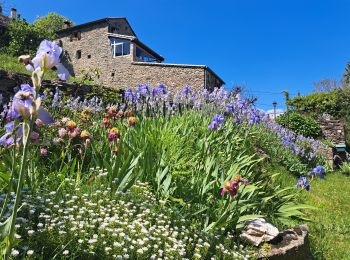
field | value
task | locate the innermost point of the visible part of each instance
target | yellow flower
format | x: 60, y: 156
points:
x: 85, y: 135
x: 132, y: 121
x: 71, y: 124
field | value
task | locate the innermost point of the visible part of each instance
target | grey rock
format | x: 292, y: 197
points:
x: 258, y: 231
x: 290, y: 244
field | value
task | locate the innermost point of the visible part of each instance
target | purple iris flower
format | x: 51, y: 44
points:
x: 142, y: 89
x: 254, y: 119
x: 21, y: 104
x: 213, y: 125
x: 317, y: 171
x: 186, y: 90
x: 22, y: 100
x: 303, y: 183
x: 161, y: 89
x: 9, y: 126
x: 129, y: 94
x: 6, y: 139
x: 51, y: 52
x: 154, y: 92
x: 218, y: 119
x: 230, y: 108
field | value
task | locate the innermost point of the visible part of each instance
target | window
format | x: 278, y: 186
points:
x: 76, y: 36
x: 89, y: 56
x: 113, y: 29
x: 78, y: 54
x: 120, y: 47
x: 142, y: 55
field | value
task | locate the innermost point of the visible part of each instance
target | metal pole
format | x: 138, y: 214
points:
x: 274, y: 103
x: 286, y: 94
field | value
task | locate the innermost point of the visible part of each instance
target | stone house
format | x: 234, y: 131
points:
x: 111, y: 45
x: 4, y: 21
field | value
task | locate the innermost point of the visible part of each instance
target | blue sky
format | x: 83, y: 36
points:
x: 268, y: 46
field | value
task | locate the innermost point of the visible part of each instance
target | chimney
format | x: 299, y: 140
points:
x: 13, y: 13
x: 66, y: 24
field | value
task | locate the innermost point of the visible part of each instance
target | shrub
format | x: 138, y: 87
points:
x: 300, y: 124
x: 318, y: 103
x: 345, y: 168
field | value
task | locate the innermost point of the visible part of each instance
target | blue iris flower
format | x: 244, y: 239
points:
x: 303, y: 183
x: 318, y: 171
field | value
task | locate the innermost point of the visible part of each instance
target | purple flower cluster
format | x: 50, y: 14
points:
x: 296, y: 143
x: 304, y: 183
x: 218, y: 120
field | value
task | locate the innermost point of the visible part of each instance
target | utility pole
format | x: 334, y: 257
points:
x: 286, y: 95
x: 274, y: 103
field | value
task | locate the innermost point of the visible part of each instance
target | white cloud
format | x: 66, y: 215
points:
x: 278, y: 111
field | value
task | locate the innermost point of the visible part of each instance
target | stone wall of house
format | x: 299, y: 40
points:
x: 94, y: 46
x: 333, y: 129
x: 212, y: 80
x: 121, y: 71
x: 172, y: 76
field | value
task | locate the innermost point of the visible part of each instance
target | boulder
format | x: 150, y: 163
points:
x: 290, y: 244
x: 258, y: 231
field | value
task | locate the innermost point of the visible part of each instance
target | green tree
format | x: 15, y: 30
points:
x: 51, y: 23
x: 24, y: 38
x: 346, y: 75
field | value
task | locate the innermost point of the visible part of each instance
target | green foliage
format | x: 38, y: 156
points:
x: 184, y: 164
x: 345, y: 168
x: 51, y: 23
x: 317, y: 103
x: 300, y: 124
x: 24, y: 38
x: 4, y: 39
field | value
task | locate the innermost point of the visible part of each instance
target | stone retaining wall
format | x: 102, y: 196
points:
x: 9, y: 82
x: 333, y: 129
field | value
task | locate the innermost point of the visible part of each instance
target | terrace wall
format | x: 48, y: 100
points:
x: 333, y: 129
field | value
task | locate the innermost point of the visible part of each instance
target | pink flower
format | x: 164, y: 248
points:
x: 35, y: 136
x: 74, y: 133
x: 62, y: 132
x: 230, y: 186
x: 39, y: 122
x: 233, y: 186
x: 43, y: 151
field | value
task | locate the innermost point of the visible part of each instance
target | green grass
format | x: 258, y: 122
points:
x: 330, y: 221
x: 11, y: 64
x: 330, y: 229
